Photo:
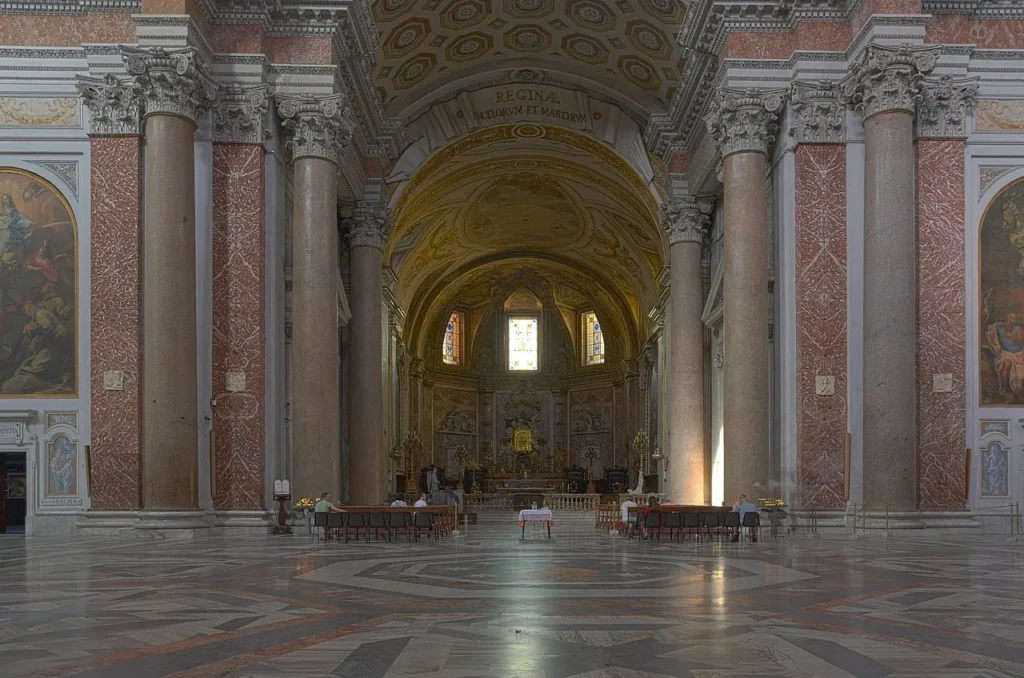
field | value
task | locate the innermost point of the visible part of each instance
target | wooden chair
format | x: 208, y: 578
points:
x: 377, y: 521
x: 333, y: 522
x: 731, y: 522
x: 752, y: 521
x: 320, y: 521
x: 673, y: 520
x: 356, y: 521
x: 691, y: 523
x: 423, y: 520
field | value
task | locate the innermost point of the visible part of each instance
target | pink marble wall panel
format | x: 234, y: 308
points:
x: 61, y: 31
x: 679, y: 164
x: 116, y: 338
x: 947, y: 29
x: 292, y: 50
x: 236, y: 39
x: 821, y: 324
x: 831, y: 36
x: 897, y: 6
x: 238, y: 326
x: 941, y: 323
x: 759, y: 45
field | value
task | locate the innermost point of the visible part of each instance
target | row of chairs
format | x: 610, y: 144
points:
x: 390, y: 523
x: 697, y: 523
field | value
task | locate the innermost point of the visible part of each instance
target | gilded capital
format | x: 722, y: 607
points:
x: 369, y: 225
x: 113, y: 104
x: 818, y: 117
x: 888, y: 78
x: 171, y: 81
x: 942, y: 110
x: 745, y: 121
x: 240, y: 115
x: 686, y: 219
x: 316, y: 126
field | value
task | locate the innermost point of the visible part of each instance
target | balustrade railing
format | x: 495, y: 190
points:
x: 566, y: 503
x: 477, y: 503
x: 571, y: 502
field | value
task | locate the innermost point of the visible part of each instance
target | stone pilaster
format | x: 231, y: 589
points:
x: 744, y: 123
x: 316, y: 134
x: 686, y: 221
x: 818, y: 117
x: 887, y: 78
x: 368, y: 230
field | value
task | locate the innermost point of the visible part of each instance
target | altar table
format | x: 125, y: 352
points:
x: 535, y: 516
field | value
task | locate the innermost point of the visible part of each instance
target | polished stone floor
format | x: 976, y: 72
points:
x: 489, y: 603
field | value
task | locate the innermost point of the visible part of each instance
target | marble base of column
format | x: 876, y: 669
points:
x: 366, y: 464
x: 686, y: 390
x: 890, y: 302
x: 170, y: 467
x: 316, y: 412
x: 745, y: 346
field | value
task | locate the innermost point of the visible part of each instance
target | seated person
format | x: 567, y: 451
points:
x: 743, y: 507
x: 653, y: 504
x: 325, y: 505
x: 624, y: 509
x: 422, y: 501
x: 398, y: 502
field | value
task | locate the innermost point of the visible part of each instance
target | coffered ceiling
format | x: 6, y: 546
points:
x: 618, y: 48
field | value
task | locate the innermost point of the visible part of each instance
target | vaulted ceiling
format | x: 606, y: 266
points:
x: 623, y: 49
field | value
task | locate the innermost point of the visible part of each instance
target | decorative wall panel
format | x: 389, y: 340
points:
x: 941, y: 323
x: 821, y: 325
x: 238, y: 326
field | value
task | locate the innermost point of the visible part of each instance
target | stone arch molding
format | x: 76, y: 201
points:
x: 525, y: 102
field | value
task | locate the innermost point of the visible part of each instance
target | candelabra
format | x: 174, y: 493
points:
x: 640, y: 445
x: 590, y: 454
x: 410, y: 450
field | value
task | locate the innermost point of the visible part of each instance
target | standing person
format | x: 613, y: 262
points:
x: 743, y: 507
x: 422, y: 502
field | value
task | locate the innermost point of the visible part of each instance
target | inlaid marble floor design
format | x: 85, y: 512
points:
x: 584, y: 604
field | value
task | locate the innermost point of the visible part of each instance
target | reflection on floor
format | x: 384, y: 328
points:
x: 490, y: 604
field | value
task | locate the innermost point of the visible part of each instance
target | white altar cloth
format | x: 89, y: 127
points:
x: 535, y: 515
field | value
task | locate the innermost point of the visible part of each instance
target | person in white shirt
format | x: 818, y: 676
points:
x: 398, y: 502
x: 422, y: 502
x: 626, y: 505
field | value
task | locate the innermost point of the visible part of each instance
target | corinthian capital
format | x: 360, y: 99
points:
x: 369, y: 225
x: 240, y: 115
x: 942, y: 111
x: 170, y: 81
x: 745, y: 120
x: 818, y: 116
x: 317, y: 126
x: 686, y: 219
x: 113, y: 104
x: 888, y: 78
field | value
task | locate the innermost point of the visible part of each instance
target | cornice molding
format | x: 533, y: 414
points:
x: 315, y: 126
x: 942, y: 109
x: 68, y: 7
x: 888, y: 78
x: 817, y: 116
x: 686, y: 220
x: 240, y: 115
x: 170, y: 81
x: 113, y: 104
x: 744, y: 121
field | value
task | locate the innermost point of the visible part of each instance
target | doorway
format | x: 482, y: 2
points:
x: 13, y: 492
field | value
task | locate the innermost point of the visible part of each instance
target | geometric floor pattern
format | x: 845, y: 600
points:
x: 488, y: 603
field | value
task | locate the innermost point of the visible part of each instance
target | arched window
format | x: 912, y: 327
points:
x: 593, y: 340
x: 522, y: 343
x: 451, y: 350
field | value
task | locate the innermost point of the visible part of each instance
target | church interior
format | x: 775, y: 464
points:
x: 555, y: 338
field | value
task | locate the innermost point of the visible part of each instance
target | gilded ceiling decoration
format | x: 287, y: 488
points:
x: 625, y: 46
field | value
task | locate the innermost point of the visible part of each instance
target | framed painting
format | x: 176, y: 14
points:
x: 38, y: 289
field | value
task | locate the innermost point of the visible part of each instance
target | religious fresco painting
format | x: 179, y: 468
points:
x: 62, y: 465
x: 995, y: 476
x: 1001, y: 253
x: 37, y: 289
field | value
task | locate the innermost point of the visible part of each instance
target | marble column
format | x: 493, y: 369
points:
x: 176, y: 90
x: 239, y: 337
x: 743, y: 123
x: 883, y: 86
x: 686, y: 221
x: 116, y: 313
x: 368, y: 231
x: 316, y: 134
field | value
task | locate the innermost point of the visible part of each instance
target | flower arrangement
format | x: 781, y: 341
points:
x: 305, y: 503
x: 771, y: 502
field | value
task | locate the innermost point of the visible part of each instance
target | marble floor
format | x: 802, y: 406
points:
x: 489, y: 603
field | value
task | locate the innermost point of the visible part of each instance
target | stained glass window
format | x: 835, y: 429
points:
x: 593, y: 340
x: 522, y: 343
x: 451, y: 351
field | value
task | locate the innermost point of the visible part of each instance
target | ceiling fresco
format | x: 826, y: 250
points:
x: 620, y: 47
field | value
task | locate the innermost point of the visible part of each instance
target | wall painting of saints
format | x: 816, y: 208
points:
x: 37, y: 289
x: 62, y: 467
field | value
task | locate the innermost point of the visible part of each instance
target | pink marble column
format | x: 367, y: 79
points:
x: 819, y: 128
x: 116, y: 321
x: 316, y: 135
x: 238, y: 307
x: 369, y: 229
x: 941, y: 405
x: 686, y: 220
x: 743, y: 123
x: 176, y: 89
x: 882, y: 86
